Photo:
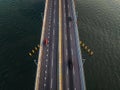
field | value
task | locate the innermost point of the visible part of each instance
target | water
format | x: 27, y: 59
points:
x: 20, y: 30
x: 99, y: 28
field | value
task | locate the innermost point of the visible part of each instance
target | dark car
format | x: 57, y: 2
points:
x: 70, y: 64
x: 70, y: 18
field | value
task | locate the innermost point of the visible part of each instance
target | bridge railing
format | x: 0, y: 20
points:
x: 37, y: 81
x: 82, y: 77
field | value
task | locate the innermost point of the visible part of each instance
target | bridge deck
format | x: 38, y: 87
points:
x: 60, y: 63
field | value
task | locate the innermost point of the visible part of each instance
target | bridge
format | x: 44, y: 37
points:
x: 60, y: 64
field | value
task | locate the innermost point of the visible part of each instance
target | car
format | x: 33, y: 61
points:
x: 70, y: 64
x: 70, y: 18
x: 45, y: 41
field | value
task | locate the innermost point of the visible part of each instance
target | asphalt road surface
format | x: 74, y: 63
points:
x: 49, y: 63
x: 48, y: 77
x: 71, y: 76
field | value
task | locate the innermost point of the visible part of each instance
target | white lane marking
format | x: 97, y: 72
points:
x: 68, y: 6
x: 48, y: 36
x: 46, y: 65
x: 46, y: 59
x: 53, y: 46
x: 51, y: 84
x: 52, y: 55
x: 69, y: 14
x: 54, y: 12
x: 53, y: 32
x: 70, y: 36
x: 45, y: 71
x: 64, y: 23
x: 67, y: 71
x: 64, y: 14
x: 47, y: 50
x: 54, y: 21
x: 47, y: 55
x: 67, y: 88
x: 52, y: 63
x: 45, y: 78
x: 65, y: 37
x: 72, y: 51
x: 74, y: 88
x: 44, y: 84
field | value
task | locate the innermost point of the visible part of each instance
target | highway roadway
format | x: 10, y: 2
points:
x: 48, y: 75
x: 71, y: 76
x: 59, y: 29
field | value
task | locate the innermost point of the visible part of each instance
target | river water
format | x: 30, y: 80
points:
x: 20, y: 30
x: 99, y: 28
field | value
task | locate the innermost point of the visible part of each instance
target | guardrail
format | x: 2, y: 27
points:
x: 82, y: 77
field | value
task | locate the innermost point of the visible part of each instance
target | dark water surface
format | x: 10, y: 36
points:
x: 20, y: 30
x: 99, y: 27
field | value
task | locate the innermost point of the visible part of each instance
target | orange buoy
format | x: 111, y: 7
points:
x: 91, y: 53
x: 80, y: 42
x: 33, y: 51
x: 36, y: 48
x: 30, y: 54
x: 86, y: 47
x: 83, y: 44
x: 88, y: 50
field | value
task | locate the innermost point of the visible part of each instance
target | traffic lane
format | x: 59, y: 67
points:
x: 74, y: 53
x: 53, y: 85
x: 74, y: 60
x: 55, y: 33
x: 52, y: 81
x: 75, y: 74
x: 71, y: 86
x: 65, y: 50
x: 47, y: 55
x: 43, y: 68
x: 52, y: 43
